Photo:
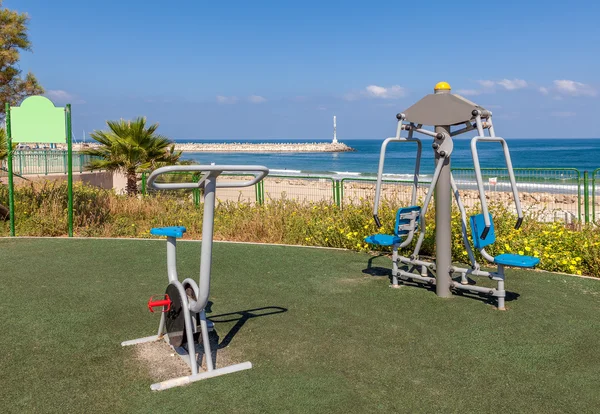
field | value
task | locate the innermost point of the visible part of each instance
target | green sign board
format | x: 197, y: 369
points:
x: 38, y: 120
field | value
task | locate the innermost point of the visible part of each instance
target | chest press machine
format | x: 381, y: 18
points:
x: 444, y: 110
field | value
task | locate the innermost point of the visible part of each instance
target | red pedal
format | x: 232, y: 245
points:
x: 165, y: 301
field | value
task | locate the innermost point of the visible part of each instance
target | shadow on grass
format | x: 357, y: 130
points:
x: 378, y: 271
x: 240, y: 318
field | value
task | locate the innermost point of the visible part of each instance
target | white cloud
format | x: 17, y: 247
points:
x: 321, y: 108
x: 543, y: 90
x: 488, y: 84
x: 573, y: 88
x: 469, y: 92
x: 256, y: 99
x: 227, y: 99
x: 61, y: 96
x: 564, y: 114
x: 392, y: 92
x: 513, y: 84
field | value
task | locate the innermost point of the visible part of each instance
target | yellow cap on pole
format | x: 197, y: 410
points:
x: 442, y: 86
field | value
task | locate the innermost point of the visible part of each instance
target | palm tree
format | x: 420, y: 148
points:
x: 3, y: 145
x: 3, y: 154
x: 130, y: 147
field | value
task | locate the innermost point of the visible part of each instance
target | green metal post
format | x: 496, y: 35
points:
x: 70, y: 169
x: 586, y: 197
x: 594, y: 173
x: 11, y: 195
x: 144, y: 183
x: 338, y: 200
x: 262, y: 192
x: 333, y: 188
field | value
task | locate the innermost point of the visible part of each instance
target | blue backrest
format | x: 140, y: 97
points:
x: 477, y: 226
x: 400, y: 221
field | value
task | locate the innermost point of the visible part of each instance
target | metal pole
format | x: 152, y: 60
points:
x: 443, y: 205
x: 586, y: 197
x: 11, y: 195
x: 70, y: 170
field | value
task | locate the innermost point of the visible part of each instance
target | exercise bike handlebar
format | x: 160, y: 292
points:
x: 258, y: 171
x: 380, y: 171
x: 481, y: 188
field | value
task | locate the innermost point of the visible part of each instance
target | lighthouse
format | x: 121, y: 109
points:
x: 335, y: 141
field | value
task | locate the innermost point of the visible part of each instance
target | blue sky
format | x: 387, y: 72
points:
x: 282, y: 69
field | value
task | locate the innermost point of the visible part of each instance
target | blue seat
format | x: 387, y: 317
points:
x: 383, y: 239
x: 396, y: 238
x: 507, y: 259
x: 516, y: 260
x: 172, y: 231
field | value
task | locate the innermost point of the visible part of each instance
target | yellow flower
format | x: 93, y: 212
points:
x: 579, y: 272
x: 521, y: 252
x: 572, y: 267
x: 527, y: 248
x: 464, y: 253
x: 564, y: 262
x: 507, y: 247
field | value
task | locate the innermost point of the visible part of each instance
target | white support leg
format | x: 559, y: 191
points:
x: 141, y: 340
x: 501, y: 293
x: 178, y: 382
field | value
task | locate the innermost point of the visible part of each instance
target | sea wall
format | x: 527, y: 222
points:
x: 254, y: 147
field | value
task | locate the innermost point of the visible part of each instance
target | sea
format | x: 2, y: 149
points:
x: 582, y: 154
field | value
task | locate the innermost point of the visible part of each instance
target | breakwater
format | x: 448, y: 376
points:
x: 264, y: 147
x: 289, y: 147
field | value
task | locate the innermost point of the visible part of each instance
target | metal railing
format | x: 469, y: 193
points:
x: 396, y: 193
x: 550, y: 194
x: 44, y: 162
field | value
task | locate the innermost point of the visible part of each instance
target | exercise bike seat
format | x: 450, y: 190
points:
x: 172, y: 231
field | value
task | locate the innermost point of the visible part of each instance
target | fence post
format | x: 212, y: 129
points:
x: 143, y: 182
x: 65, y: 156
x: 260, y: 192
x: 594, y: 173
x: 80, y: 163
x: 336, y: 192
x: 586, y: 197
x: 45, y: 162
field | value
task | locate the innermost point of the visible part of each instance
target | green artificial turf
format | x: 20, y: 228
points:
x: 346, y: 342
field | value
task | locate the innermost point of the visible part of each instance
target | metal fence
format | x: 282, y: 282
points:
x: 396, y: 193
x: 303, y: 189
x: 550, y: 194
x: 44, y: 162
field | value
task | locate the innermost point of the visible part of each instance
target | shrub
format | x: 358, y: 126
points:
x: 41, y: 211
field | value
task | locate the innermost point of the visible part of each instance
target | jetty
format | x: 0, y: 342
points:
x: 251, y: 147
x: 265, y: 147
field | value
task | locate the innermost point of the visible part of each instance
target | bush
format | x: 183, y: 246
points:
x: 41, y: 211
